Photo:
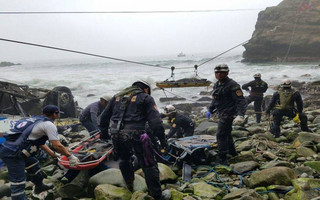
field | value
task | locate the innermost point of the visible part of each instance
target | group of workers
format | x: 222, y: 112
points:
x: 123, y: 119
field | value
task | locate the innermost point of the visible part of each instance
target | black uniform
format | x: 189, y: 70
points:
x: 258, y: 87
x: 182, y: 125
x: 228, y: 101
x: 283, y: 102
x: 129, y: 136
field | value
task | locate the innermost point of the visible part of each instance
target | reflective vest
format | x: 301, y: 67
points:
x: 17, y: 137
x: 285, y: 96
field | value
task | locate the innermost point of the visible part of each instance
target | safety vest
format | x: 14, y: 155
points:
x: 18, y: 136
x: 285, y: 96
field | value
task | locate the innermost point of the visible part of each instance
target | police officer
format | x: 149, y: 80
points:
x: 127, y: 112
x: 283, y: 102
x: 89, y: 116
x: 181, y: 125
x: 21, y: 145
x: 228, y: 102
x: 258, y: 87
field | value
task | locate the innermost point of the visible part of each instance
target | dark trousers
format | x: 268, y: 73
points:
x: 185, y: 132
x: 257, y: 105
x: 277, y: 118
x: 17, y: 164
x: 128, y: 144
x: 224, y: 139
x: 89, y: 125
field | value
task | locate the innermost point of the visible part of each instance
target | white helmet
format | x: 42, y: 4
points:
x: 144, y: 83
x: 170, y: 109
x: 257, y: 75
x: 286, y: 83
x: 106, y: 97
x: 221, y: 68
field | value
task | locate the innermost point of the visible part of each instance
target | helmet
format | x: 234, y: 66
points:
x: 106, y: 97
x: 170, y: 109
x: 286, y: 83
x: 221, y: 68
x: 142, y: 84
x: 257, y: 75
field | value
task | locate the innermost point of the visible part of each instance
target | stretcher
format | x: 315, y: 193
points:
x: 91, y: 151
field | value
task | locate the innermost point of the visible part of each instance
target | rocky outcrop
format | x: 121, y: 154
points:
x: 287, y: 32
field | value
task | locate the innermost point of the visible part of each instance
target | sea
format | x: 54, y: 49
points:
x: 89, y: 79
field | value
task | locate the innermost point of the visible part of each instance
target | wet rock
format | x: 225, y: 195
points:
x: 305, y: 152
x: 205, y: 190
x: 244, y: 166
x: 114, y: 177
x: 245, y: 145
x: 176, y: 195
x: 5, y: 190
x: 166, y: 99
x: 303, y: 189
x: 275, y: 163
x: 306, y: 138
x: 205, y: 99
x: 313, y: 164
x: 272, y: 176
x: 241, y: 158
x: 242, y: 194
x: 303, y: 169
x: 139, y: 195
x: 269, y: 155
x: 107, y: 191
x: 203, y: 127
x: 166, y: 173
x: 76, y: 187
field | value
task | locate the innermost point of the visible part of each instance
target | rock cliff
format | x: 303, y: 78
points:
x: 288, y: 32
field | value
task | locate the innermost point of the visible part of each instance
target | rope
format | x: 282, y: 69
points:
x: 291, y: 40
x: 80, y: 52
x: 123, y: 12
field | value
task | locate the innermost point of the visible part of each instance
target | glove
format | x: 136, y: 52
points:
x: 56, y: 155
x: 238, y: 120
x: 73, y: 160
x: 208, y: 115
x: 164, y: 144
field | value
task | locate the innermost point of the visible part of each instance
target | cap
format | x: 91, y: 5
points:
x: 221, y: 68
x: 106, y: 97
x: 257, y: 75
x: 50, y: 109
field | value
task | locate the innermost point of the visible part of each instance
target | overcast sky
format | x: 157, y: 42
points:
x: 126, y: 35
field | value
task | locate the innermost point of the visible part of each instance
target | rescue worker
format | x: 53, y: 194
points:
x: 258, y: 87
x: 229, y: 103
x: 283, y: 104
x: 181, y: 125
x: 127, y: 112
x: 89, y: 116
x: 19, y: 149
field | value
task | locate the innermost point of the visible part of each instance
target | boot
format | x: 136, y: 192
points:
x: 129, y: 185
x: 43, y: 187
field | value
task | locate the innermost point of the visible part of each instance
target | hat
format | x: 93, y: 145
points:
x: 50, y: 109
x: 257, y: 75
x: 221, y: 68
x: 106, y: 97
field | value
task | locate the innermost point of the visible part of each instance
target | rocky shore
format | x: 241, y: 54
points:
x: 266, y: 168
x: 286, y: 33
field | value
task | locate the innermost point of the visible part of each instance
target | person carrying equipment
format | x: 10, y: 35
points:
x: 283, y: 104
x: 258, y: 87
x: 127, y: 113
x: 19, y: 149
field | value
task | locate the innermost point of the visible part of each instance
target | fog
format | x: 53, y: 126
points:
x: 126, y: 35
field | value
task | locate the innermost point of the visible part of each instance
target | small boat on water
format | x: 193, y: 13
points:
x: 186, y: 82
x: 181, y: 54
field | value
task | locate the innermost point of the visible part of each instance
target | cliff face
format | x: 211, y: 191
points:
x: 288, y: 32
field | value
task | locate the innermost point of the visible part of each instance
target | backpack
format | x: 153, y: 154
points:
x: 17, y: 136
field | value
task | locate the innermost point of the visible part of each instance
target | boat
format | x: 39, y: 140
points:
x: 181, y: 54
x: 186, y: 82
x: 91, y: 151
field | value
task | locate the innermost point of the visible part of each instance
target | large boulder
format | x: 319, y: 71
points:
x: 205, y: 190
x: 111, y: 192
x: 114, y: 177
x: 203, y: 127
x: 272, y: 176
x: 166, y: 173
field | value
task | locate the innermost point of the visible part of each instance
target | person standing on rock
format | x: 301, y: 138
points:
x: 181, y: 125
x: 21, y: 145
x: 283, y: 104
x: 229, y: 103
x: 258, y: 87
x: 89, y: 116
x: 127, y: 113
